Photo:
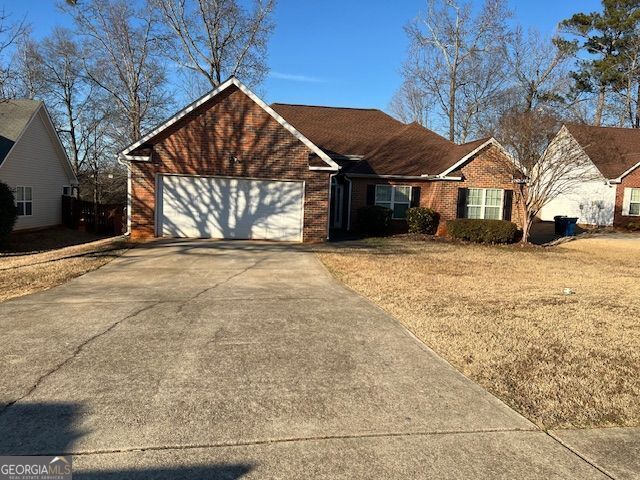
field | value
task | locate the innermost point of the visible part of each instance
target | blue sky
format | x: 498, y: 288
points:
x: 337, y: 52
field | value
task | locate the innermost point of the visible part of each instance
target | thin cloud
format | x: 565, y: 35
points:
x: 296, y: 78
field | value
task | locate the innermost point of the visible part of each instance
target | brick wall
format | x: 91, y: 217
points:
x: 630, y: 181
x: 206, y: 141
x: 442, y: 196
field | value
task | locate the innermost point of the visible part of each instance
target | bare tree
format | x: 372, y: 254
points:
x: 539, y: 68
x: 54, y: 71
x: 410, y: 104
x: 447, y: 46
x: 480, y: 94
x: 217, y: 39
x: 10, y: 34
x: 543, y: 163
x: 124, y: 62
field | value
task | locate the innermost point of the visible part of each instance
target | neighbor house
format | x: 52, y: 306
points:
x: 231, y: 166
x: 33, y: 163
x: 609, y: 190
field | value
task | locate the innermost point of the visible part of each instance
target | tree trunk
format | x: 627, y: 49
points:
x: 95, y: 201
x: 636, y: 122
x: 452, y: 107
x: 526, y: 227
x: 600, y: 107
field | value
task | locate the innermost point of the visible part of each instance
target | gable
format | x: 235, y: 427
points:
x: 138, y: 151
x: 565, y: 142
x: 38, y: 147
x: 231, y: 133
x: 614, y: 151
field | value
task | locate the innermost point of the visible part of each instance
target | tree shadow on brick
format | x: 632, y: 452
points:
x: 230, y: 136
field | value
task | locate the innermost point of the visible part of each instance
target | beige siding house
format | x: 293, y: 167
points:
x: 33, y: 163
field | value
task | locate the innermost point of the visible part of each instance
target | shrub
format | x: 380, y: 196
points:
x: 8, y: 212
x: 633, y: 226
x: 483, y: 231
x: 374, y: 219
x: 422, y: 220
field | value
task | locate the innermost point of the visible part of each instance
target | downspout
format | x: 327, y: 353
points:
x: 331, y: 177
x: 349, y: 204
x: 127, y: 165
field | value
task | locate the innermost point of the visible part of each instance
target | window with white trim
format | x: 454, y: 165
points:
x: 395, y: 197
x: 485, y: 203
x: 634, y: 202
x: 24, y: 201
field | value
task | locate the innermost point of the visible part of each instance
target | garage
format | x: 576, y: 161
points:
x: 229, y: 208
x: 228, y: 166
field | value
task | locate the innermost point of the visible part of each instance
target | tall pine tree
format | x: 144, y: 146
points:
x: 606, y: 38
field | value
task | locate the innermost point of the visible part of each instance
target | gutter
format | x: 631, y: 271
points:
x: 347, y: 179
x: 122, y: 160
x: 423, y: 177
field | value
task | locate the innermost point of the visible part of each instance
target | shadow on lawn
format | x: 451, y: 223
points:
x: 23, y: 243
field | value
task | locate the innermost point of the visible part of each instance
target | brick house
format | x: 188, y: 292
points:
x: 610, y: 191
x: 230, y: 166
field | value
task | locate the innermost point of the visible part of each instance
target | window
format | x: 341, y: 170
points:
x: 24, y: 201
x: 634, y: 204
x: 396, y: 198
x: 485, y: 203
x: 67, y: 190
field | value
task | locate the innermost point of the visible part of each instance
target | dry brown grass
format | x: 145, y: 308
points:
x: 500, y: 316
x: 22, y: 274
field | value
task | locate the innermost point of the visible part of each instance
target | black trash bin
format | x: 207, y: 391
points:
x: 560, y: 225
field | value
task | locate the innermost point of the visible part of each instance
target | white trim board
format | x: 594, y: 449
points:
x: 331, y: 165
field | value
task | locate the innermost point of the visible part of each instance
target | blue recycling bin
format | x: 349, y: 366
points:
x: 570, y: 229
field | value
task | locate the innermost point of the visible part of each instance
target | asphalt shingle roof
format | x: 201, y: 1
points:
x: 388, y: 147
x: 14, y: 116
x: 612, y: 150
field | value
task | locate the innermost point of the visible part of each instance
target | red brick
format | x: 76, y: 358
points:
x: 442, y: 195
x: 204, y: 142
x: 630, y: 181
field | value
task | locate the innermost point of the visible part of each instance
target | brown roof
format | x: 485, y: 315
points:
x: 612, y: 150
x: 340, y: 131
x: 388, y: 147
x: 414, y: 150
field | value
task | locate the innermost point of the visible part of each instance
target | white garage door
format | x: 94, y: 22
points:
x: 217, y: 207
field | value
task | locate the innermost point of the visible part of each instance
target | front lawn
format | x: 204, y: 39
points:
x: 41, y: 260
x: 500, y: 315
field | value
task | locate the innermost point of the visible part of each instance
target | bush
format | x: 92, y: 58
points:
x: 8, y: 212
x: 633, y: 226
x: 374, y: 219
x: 483, y: 231
x: 422, y: 220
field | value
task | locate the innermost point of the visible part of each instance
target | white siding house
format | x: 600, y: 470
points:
x: 33, y: 163
x: 605, y: 155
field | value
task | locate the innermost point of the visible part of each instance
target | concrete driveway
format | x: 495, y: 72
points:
x: 245, y: 360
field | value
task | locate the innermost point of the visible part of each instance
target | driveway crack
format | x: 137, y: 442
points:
x: 74, y: 354
x: 220, y: 283
x: 285, y: 440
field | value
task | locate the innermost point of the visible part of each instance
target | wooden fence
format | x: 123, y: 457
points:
x: 92, y: 217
